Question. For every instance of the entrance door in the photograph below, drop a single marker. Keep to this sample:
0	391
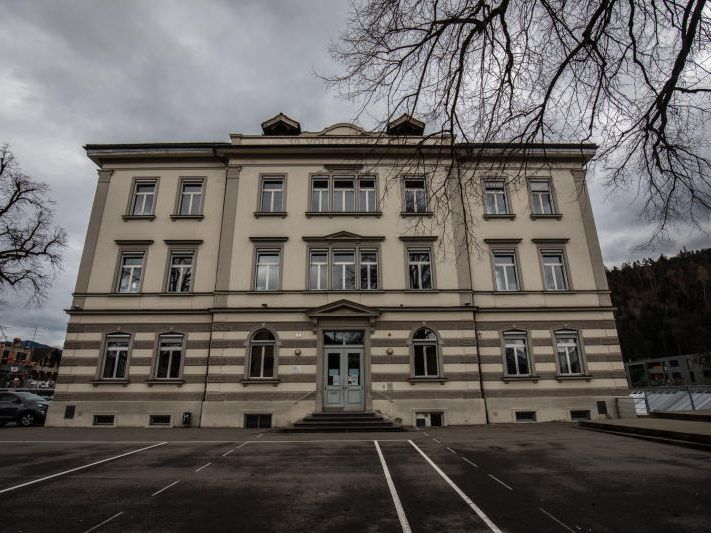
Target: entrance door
344	378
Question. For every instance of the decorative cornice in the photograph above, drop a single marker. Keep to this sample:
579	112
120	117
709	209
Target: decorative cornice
136	242
267	238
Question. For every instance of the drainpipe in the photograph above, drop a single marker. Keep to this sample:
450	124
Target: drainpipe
478	362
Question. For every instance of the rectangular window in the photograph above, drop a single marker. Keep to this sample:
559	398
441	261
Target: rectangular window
419	269
554	278
191	198
580	414
267	275
368	269
541	197
261	363
115	357
131	272
495	198
426	360
415	195
159	420
366	194
318	270
516	350
569	361
103	420
505	271
257	421
320	194
272	199
180	276
343	273
525	416
143	198
343	195
170	354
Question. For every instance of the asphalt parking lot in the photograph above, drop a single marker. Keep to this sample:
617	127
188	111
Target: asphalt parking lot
538	477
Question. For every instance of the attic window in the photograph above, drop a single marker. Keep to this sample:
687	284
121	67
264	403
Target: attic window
281	125
406	125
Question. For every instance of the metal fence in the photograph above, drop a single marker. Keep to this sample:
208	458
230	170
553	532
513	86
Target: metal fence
693	398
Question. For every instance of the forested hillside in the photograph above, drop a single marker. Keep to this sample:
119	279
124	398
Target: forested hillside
663	305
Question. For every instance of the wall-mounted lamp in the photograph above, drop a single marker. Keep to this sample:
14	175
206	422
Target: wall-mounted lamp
389	351
297	351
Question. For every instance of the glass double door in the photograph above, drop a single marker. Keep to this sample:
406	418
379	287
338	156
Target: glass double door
344	378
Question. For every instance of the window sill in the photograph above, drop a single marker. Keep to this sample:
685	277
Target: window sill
416	291
187	217
416	214
126	294
280	214
355	214
171	381
574	377
556	216
138	217
436	379
506	379
97	382
506	216
263	381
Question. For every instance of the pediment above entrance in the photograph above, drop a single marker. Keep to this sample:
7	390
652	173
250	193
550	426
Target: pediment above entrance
343	308
344	236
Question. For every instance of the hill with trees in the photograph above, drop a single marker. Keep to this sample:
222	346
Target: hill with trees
663	305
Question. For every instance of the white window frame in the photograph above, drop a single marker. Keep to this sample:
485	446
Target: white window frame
496	254
560	338
344	267
191	197
321	281
368	208
268	266
415	192
488	186
369	265
115	338
143	196
131	271
183	269
517	336
563	269
320	207
537	203
343	193
262	345
426	344
272	193
420	265
172	350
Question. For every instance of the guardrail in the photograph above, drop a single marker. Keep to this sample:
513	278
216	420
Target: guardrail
691	398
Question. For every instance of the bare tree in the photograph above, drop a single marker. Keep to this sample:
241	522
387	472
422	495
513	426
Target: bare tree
31	245
631	75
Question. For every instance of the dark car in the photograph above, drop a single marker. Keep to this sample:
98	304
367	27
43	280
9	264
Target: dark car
25	408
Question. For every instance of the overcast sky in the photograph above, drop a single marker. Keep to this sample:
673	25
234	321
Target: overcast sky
77	72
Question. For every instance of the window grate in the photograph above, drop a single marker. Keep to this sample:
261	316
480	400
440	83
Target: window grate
257	421
525	416
104	420
159	420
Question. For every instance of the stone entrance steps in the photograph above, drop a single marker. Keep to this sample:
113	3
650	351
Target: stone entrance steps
342	421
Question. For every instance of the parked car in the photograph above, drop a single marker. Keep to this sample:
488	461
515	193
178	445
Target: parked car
25	408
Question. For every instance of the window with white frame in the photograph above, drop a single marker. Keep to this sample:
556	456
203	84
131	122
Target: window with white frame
505	272
272	194
191	198
568	349
318	270
261	355
424	343
368	269
343	194
419	265
320	194
170	355
495	198
554	275
180	276
130	272
143	202
516	354
415	195
115	357
366	194
343	270
541	197
267	275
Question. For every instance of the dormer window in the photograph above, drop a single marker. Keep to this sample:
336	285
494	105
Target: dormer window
406	125
281	125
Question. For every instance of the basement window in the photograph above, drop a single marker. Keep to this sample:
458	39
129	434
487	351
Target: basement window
426	420
257	421
580	414
159	420
525	416
104	420
69	411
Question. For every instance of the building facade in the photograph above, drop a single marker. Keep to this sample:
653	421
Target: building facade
263	279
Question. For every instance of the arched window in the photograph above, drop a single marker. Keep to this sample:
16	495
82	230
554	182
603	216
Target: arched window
426	354
516	354
115	356
261	359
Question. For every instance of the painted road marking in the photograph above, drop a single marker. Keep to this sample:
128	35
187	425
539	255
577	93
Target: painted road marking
438	442
451	450
393	492
459	491
499	481
97	526
79	468
556	520
427	434
203	466
165	488
260	435
233	449
322	440
468	461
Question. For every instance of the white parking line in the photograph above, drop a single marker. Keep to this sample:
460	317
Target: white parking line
556	520
468	461
203	466
459	491
260	435
427	434
404	524
438	442
233	449
165	488
78	468
451	450
345	441
97	526
499	481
